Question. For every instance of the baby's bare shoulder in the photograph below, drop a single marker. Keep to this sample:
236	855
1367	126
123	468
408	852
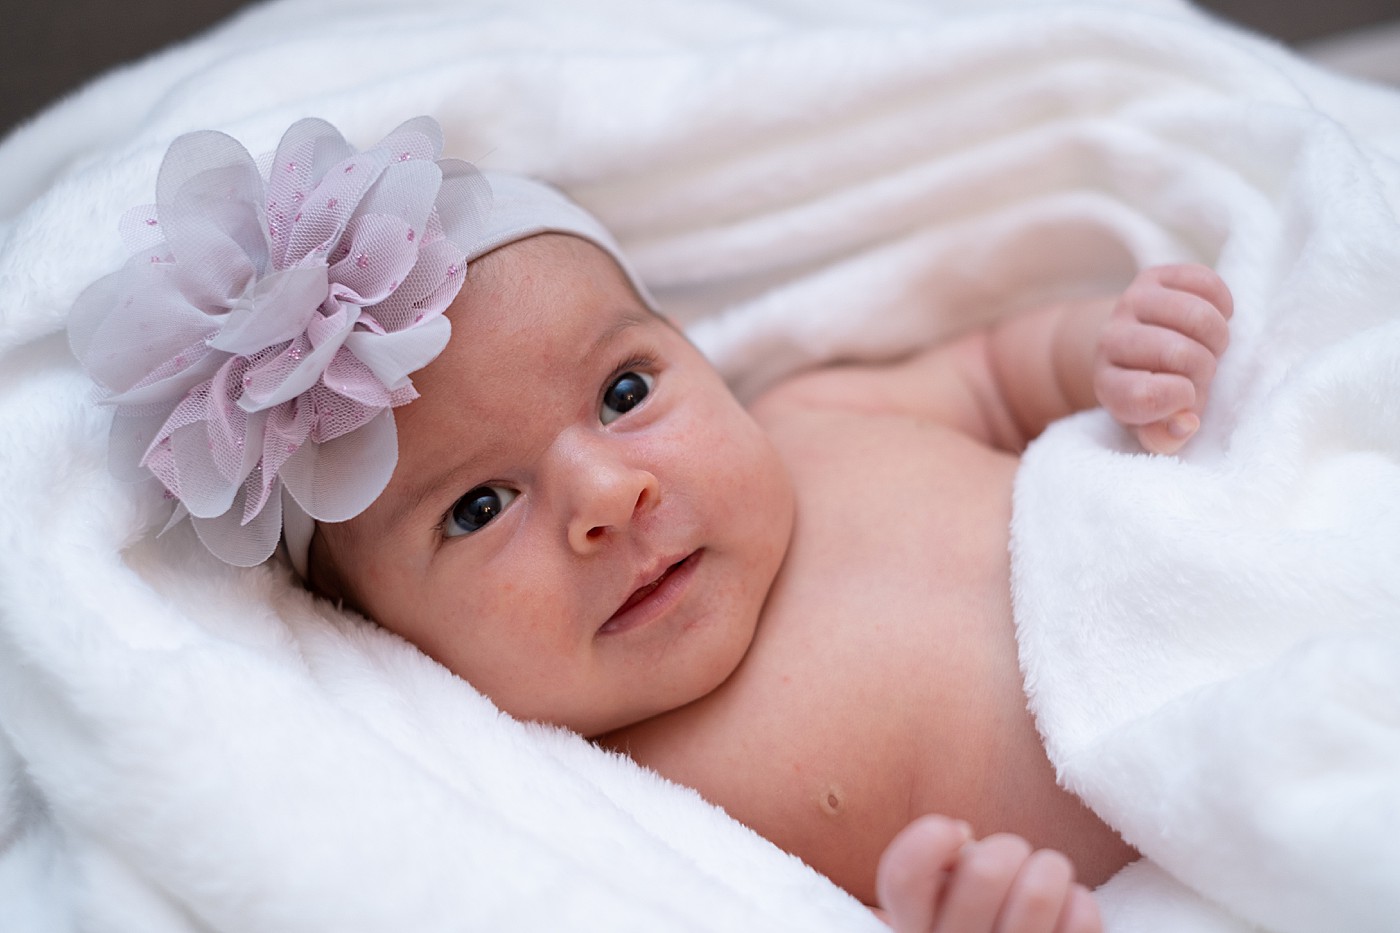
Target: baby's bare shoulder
940	384
832	387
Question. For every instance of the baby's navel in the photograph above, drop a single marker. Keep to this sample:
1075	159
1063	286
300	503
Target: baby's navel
832	801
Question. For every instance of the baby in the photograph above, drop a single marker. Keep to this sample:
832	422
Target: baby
800	608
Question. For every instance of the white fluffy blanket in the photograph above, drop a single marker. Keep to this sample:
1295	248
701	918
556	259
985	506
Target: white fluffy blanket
1209	641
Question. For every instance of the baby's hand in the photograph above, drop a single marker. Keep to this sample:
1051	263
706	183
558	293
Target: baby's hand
934	879
1158	350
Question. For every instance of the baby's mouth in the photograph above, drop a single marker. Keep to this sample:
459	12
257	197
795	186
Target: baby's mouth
645	592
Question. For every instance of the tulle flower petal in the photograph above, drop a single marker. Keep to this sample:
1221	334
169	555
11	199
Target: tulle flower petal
275	310
256	343
237	542
393	356
319	478
381	253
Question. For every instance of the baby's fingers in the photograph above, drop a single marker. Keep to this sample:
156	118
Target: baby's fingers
980	884
1045	899
1192	300
1160	350
1158	406
1136	397
914	869
1158	354
1164	427
1039	895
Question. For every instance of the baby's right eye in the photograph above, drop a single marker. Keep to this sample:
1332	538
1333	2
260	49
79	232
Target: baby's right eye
475	509
625	393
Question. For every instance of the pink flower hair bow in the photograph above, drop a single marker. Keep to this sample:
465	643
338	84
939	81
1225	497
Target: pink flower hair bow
256	344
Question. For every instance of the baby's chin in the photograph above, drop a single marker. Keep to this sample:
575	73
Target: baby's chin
702	685
598	728
596	720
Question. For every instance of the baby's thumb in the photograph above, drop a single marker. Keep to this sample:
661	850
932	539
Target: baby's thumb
1170	434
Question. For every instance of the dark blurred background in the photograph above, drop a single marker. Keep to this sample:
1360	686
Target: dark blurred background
50	47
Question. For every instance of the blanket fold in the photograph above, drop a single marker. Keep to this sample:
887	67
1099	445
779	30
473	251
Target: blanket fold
1209	641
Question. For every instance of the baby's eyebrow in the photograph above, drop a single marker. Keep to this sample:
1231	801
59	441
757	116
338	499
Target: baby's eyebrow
417	494
625	321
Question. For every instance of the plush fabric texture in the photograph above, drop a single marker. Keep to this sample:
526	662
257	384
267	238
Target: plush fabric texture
1209	640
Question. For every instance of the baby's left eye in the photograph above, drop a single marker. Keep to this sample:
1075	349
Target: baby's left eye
476	508
625	393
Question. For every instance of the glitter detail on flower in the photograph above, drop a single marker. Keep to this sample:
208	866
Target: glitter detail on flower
256	343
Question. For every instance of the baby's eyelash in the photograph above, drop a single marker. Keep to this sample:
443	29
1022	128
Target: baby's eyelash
642	361
440	526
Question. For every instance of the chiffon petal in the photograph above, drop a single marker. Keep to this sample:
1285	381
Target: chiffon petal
338	479
254	346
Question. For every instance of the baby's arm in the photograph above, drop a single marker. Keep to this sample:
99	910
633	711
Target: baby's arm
934	879
1147	355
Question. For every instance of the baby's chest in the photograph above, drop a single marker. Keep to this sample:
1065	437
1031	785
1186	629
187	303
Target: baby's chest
893	601
899	523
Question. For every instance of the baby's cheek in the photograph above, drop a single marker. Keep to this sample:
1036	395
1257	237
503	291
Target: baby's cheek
754	464
751	489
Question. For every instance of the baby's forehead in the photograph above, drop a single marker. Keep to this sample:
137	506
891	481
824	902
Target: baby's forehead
548	309
524	211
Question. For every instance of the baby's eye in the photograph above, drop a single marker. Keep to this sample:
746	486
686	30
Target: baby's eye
624	394
476	508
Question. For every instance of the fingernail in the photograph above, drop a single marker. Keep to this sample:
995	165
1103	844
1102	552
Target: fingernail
964	829
1182	425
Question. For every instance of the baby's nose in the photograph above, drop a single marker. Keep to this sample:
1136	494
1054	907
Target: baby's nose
608	496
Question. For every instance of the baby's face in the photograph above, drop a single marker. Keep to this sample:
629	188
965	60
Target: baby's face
583	522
